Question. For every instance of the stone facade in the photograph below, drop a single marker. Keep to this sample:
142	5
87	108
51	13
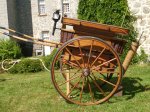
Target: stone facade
3	14
45	22
23	16
141	10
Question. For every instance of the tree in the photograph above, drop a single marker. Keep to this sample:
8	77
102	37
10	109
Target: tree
112	12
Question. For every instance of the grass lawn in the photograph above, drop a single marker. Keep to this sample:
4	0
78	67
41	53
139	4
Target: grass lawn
35	93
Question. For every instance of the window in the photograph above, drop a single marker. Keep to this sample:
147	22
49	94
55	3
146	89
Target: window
65	1
39	52
45	35
66	6
41	4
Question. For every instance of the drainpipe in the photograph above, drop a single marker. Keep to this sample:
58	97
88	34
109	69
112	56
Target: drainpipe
62	8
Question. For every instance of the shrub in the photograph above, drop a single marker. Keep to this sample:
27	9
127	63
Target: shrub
31	65
9	49
143	56
27	66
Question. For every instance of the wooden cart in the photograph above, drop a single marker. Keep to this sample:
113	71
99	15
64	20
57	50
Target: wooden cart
90	68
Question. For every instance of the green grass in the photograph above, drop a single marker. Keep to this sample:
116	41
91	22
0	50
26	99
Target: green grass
35	93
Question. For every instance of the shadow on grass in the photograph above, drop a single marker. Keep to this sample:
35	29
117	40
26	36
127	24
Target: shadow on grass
132	86
4	79
1	80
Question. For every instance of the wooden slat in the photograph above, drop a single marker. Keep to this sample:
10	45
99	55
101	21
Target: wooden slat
109	28
106	37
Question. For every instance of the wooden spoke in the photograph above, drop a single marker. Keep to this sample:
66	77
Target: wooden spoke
90	89
81	53
98	57
82	89
69	72
69	80
74	86
105	71
104	81
70	63
107	82
110	68
73	57
77	71
90	53
104	63
98	86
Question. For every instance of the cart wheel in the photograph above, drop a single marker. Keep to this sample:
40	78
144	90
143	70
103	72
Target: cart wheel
86	64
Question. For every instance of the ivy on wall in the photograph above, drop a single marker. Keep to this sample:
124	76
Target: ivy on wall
112	12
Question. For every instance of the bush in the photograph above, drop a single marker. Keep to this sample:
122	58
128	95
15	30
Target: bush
141	57
32	65
27	66
9	49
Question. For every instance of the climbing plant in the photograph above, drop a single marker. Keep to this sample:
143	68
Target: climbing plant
112	12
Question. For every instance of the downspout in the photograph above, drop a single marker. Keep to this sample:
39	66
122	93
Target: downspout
62	8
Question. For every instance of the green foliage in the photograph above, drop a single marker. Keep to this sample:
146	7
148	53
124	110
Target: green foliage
142	57
9	49
30	65
111	12
35	93
48	59
27	66
135	60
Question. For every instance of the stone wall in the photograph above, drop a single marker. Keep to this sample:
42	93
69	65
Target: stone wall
3	15
141	10
73	8
44	22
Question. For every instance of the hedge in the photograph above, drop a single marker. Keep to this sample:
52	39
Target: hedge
29	65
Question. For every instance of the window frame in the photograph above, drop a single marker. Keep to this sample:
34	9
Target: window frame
41	3
43	35
65	2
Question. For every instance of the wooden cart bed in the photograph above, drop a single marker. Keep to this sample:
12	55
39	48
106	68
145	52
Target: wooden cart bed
86	28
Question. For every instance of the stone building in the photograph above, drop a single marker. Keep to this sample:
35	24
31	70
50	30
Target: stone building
141	10
34	17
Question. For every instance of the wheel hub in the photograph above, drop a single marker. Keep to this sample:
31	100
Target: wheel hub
86	72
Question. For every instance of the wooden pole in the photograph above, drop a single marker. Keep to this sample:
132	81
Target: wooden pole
130	55
68	83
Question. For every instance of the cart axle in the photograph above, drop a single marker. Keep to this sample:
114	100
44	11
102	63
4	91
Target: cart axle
86	72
